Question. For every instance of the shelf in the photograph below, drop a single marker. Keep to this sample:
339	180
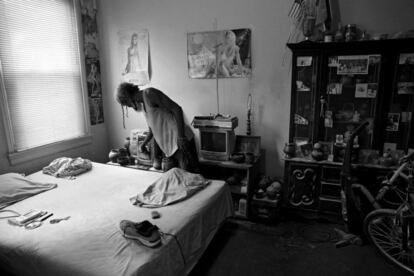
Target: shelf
238	189
226	164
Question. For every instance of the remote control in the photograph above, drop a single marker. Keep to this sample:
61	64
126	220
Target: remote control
23	219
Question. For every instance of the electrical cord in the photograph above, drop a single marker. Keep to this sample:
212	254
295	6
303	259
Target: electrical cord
15	214
178	243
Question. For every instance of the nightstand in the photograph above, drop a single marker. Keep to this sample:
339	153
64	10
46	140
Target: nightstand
241	178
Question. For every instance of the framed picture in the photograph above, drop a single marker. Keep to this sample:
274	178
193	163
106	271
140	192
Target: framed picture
393	122
230	48
361	90
405	87
406	59
353	65
304	61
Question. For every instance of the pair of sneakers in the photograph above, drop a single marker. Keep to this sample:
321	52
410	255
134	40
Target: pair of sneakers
145	232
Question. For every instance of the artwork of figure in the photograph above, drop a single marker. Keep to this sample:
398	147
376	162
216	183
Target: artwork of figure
229	55
133	63
222	54
134	56
94	80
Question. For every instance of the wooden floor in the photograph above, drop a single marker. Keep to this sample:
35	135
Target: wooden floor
288	248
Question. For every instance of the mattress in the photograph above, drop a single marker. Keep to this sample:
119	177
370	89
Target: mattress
90	241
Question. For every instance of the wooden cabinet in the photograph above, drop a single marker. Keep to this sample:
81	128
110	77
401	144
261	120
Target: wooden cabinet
313	187
303	185
335	87
241	178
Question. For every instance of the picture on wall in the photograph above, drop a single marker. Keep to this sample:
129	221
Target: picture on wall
91	50
133	51
222	54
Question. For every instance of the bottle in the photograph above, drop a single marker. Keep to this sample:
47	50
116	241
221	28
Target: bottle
339	36
350	32
243	206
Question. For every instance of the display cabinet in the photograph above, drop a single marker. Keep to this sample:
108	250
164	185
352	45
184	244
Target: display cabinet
335	87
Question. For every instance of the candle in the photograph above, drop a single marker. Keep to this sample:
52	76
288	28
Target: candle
249	102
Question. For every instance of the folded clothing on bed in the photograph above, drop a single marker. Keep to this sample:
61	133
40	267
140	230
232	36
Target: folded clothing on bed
67	167
15	187
173	186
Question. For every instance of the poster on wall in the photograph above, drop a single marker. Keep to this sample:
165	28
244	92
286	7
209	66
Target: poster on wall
133	51
222	54
92	66
96	110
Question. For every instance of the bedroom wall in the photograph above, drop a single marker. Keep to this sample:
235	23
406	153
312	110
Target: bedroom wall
168	22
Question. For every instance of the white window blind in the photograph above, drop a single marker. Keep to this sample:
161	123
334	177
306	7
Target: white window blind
41	72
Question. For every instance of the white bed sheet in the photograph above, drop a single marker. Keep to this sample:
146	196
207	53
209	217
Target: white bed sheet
90	242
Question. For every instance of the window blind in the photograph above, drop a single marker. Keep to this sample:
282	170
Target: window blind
42	76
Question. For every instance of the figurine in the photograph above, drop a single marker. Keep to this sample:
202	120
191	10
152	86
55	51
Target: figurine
356	116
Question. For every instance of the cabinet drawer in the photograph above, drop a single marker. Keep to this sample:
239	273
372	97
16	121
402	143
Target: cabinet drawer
331	174
330	189
330	205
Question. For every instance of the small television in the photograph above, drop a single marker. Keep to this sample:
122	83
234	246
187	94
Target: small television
216	143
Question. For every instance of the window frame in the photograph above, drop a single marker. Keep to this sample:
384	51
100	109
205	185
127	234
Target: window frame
17	157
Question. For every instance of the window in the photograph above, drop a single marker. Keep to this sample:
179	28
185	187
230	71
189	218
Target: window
41	77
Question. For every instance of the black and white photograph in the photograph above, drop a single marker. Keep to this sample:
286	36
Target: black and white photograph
304	61
405	88
393	121
206	138
361	90
406	58
353	65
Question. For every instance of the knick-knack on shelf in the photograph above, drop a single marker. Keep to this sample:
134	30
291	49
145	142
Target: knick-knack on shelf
249	112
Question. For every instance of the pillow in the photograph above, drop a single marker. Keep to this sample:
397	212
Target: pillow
15	187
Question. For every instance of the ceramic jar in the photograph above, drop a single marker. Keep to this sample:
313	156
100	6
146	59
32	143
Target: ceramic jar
289	150
350	32
113	155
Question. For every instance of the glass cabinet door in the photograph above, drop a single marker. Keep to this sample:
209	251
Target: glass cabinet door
304	88
351	98
398	131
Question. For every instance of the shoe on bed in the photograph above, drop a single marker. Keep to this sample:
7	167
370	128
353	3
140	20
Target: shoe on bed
144	232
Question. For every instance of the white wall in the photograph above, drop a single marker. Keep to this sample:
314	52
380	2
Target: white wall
168	22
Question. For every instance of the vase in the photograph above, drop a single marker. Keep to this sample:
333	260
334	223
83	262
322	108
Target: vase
308	25
113	155
289	150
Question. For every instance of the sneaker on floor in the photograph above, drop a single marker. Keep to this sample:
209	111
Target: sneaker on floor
148	236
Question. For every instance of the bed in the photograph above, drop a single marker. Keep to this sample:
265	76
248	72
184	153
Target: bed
91	243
